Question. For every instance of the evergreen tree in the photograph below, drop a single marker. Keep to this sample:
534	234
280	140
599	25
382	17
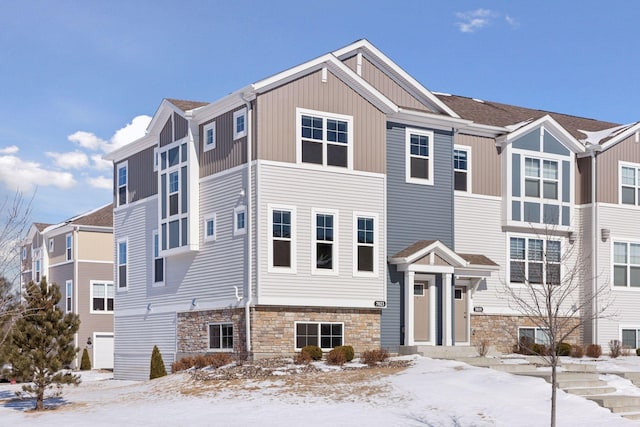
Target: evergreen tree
157	364
85	363
41	343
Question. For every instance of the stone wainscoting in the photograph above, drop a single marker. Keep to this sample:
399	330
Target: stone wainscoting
501	331
193	330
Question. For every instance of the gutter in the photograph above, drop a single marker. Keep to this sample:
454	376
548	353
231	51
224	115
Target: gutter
249	225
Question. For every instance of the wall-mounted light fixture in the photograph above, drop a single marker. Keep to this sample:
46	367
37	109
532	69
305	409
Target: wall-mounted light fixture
605	233
149	307
89	342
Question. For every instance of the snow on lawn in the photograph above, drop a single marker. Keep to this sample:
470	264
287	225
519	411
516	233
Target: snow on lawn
430	392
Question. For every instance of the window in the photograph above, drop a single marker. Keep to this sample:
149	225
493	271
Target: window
324	247
210	227
122	184
69	296
534	335
532	260
461	169
221	336
37	270
239	220
630	185
324	335
51	245
534	180
418	290
324	139
626	264
24	253
239	124
630	337
158	261
69	245
122	264
156	159
102	297
365	244
209	139
281	249
173	196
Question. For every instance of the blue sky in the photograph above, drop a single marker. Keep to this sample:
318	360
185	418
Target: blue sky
79	78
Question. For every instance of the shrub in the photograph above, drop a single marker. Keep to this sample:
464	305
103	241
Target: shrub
577	351
564	349
157	364
372	357
85	362
524	346
483	348
302	358
348	351
539	350
217	360
637	351
615	348
200	361
336	356
314	351
594	350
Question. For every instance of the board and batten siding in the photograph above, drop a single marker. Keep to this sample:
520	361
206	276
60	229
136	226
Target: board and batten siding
305	190
414	212
276	121
607	164
228	153
583	180
486	165
385	84
142	180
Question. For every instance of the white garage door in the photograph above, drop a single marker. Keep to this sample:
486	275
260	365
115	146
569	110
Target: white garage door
103	351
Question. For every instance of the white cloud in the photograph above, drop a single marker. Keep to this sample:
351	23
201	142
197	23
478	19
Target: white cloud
12	149
87	140
132	131
24	175
71	160
511	21
100	182
99	163
474	20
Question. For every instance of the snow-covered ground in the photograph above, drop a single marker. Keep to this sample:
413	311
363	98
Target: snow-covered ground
429	393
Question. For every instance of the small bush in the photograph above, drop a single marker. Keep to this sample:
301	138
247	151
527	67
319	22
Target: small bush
85	362
593	350
564	349
314	351
217	360
637	351
524	346
157	364
372	357
336	356
615	348
483	348
540	350
302	358
200	361
348	351
577	351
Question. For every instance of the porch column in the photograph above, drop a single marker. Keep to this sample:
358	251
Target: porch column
432	311
409	278
447	312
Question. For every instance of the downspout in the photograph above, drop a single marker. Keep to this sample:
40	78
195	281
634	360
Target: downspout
249	300
74	253
594	258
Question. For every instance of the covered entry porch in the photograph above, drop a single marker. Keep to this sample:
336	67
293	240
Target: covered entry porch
438	288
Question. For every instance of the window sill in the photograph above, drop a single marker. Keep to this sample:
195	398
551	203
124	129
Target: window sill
419	181
100	312
282	270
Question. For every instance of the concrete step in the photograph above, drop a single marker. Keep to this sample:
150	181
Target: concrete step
520	368
589	391
630	415
618	403
564	384
483	362
580	367
441	352
631	376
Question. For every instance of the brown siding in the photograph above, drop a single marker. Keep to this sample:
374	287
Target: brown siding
143	180
277	119
166	134
228	153
95	246
485	164
90	323
59	275
607	164
583	181
59	253
181	126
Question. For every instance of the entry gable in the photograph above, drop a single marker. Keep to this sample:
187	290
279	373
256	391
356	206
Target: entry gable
427	252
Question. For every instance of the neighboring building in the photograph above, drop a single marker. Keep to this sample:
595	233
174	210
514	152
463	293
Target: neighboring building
341	202
77	255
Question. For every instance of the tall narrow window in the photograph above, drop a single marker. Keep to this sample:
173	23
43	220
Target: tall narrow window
122	264
37	270
209	140
460	169
419	156
281	238
69	296
240	220
122	184
69	247
158	261
365	244
51	245
324	242
173	192
630	185
239	124
210	227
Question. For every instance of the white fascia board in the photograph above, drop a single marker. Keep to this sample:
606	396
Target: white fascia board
431	120
438	248
382	61
228	103
484	130
549	123
621	136
131	148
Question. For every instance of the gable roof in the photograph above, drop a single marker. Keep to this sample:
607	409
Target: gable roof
185	105
99	217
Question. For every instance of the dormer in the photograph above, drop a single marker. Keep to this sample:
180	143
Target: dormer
538	186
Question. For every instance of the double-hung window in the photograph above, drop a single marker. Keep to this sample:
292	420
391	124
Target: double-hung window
68	247
174	195
365	244
324	335
221	336
626	264
461	169
158	261
534	261
281	250
37	270
419	156
209	138
325	139
324	246
102	297
122	264
69	296
630	185
123	178
541	178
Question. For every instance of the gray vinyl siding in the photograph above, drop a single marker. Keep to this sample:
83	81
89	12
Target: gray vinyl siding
181	127
414	212
142	180
166	134
228	153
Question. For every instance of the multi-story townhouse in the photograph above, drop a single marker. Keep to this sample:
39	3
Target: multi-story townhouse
341	202
77	255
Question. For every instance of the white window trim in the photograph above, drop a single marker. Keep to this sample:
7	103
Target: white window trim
376	244
636	166
153	259
51	244
239	231
156	160
629	327
68	300
324	115
469	180
527	237
105	282
211	126
122	165
628	242
535	332
236	114
124	240
24	253
295	335
219	350
212	217
407	161
68	249
336	244
294	227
